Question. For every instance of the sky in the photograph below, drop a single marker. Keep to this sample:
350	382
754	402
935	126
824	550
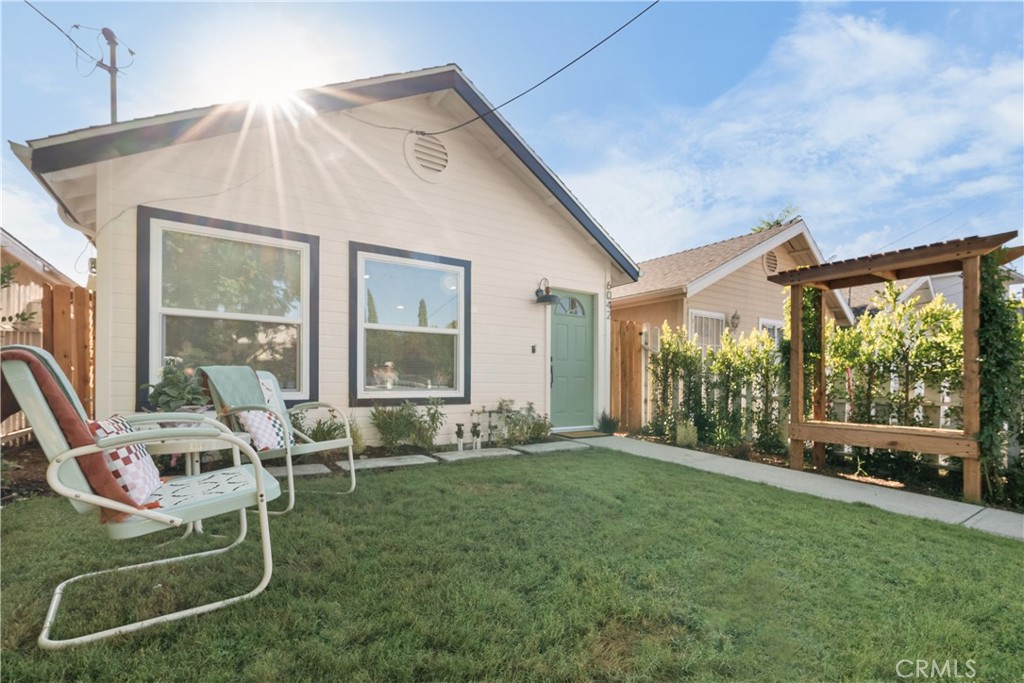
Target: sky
884	124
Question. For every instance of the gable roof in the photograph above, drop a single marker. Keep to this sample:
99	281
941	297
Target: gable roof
694	269
690	271
56	161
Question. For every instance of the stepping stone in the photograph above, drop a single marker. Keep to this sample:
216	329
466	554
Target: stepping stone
309	470
456	456
383	463
552	446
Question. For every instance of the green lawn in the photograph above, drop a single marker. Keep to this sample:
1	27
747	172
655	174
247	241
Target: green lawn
595	567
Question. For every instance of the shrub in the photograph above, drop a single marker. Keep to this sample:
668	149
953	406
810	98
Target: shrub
686	434
394	424
6	280
404	424
358	443
428	424
521	426
607	424
678	379
328	429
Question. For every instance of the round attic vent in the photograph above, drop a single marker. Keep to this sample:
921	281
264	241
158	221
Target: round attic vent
427	157
771	262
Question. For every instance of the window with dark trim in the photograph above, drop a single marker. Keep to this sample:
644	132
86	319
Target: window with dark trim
409	328
213	292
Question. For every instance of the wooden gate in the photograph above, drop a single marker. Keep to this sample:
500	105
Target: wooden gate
69	334
627	374
63	325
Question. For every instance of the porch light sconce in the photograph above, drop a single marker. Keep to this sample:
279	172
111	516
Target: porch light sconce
543	293
734	321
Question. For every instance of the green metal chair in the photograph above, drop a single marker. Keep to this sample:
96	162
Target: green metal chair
238	391
180	500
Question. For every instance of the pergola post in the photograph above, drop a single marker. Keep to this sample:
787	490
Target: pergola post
818	409
796	374
972	373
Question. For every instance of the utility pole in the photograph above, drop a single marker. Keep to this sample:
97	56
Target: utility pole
112	70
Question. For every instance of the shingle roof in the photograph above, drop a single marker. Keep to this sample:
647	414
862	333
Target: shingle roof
675	271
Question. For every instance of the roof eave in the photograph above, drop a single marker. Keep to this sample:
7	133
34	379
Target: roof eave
64	213
93	145
643	298
737	262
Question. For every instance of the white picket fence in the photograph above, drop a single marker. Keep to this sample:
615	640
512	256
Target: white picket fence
19	298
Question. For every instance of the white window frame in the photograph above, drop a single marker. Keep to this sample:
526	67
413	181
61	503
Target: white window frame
769	324
158	311
366	253
698	313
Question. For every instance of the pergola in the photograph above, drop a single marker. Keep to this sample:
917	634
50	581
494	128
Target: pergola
962	255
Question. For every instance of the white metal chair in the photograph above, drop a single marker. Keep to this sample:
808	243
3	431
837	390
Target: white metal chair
237	390
179	500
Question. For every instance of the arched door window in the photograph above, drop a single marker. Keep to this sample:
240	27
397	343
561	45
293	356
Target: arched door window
570	305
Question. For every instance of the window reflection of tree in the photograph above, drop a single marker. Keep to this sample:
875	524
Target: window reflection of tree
208	274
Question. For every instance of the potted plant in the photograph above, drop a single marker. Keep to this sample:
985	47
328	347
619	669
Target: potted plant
178	390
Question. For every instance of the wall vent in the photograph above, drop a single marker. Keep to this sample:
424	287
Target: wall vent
771	262
427	157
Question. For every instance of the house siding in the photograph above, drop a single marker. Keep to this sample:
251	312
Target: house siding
747	292
651	315
344	181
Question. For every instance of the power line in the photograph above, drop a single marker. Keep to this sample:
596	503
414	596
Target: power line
525	92
99	35
928	225
534	87
77	46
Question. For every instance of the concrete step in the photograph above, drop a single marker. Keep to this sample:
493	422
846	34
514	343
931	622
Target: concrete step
552	446
384	463
458	456
309	470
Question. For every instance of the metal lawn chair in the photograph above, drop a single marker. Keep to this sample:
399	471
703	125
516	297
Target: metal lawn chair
252	402
35	381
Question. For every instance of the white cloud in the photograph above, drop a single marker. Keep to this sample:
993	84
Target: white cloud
856	123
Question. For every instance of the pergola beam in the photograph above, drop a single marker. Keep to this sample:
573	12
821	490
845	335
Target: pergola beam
943	257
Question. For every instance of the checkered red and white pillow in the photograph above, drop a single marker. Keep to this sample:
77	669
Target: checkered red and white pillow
265	429
132	466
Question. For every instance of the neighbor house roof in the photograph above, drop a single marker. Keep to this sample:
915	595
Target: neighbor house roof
925	288
690	271
62	162
15	251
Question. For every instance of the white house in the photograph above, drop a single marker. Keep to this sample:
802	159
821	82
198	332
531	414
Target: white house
369	242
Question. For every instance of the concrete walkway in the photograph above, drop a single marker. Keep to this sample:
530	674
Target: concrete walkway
999	522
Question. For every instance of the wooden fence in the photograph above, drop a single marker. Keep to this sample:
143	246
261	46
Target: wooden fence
63	324
628	373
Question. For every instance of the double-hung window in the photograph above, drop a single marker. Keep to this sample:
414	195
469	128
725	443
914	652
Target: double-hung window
223	293
409	326
708	327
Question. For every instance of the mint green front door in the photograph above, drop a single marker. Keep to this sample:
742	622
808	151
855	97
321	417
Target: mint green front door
572	361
